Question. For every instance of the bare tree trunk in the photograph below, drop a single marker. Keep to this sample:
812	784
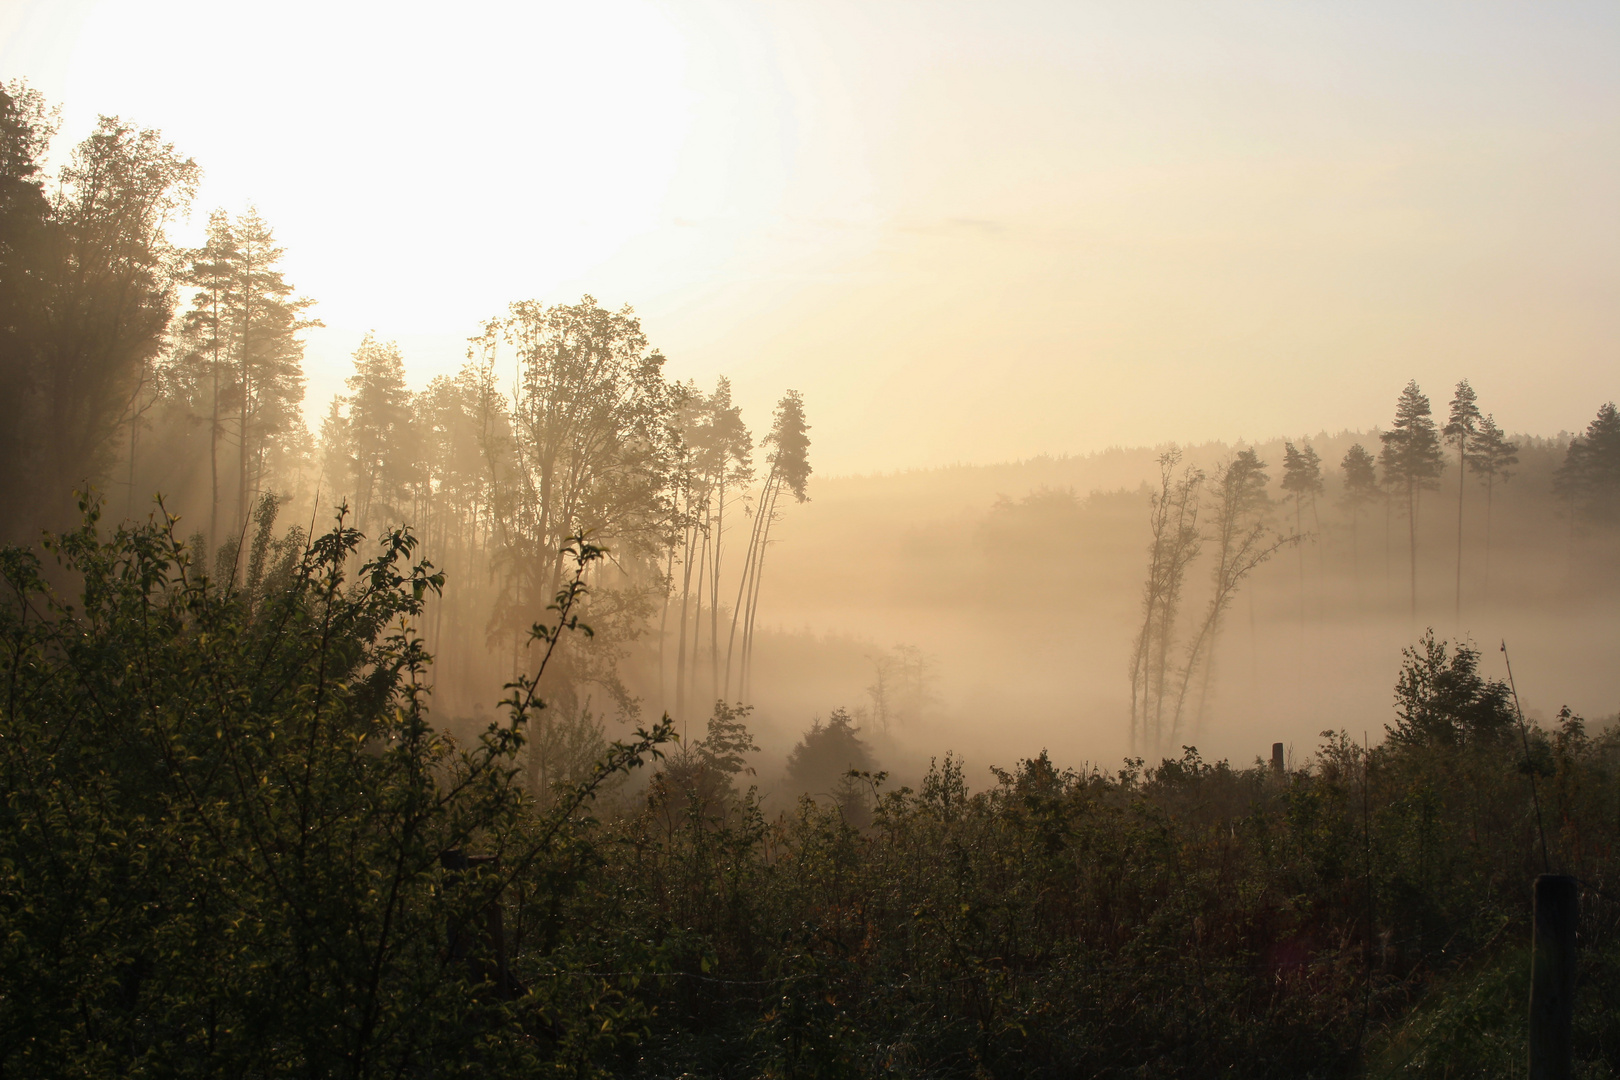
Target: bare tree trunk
213	446
690	537
714	592
749	559
697	614
1486	588
750	627
1462	476
1411	533
663	626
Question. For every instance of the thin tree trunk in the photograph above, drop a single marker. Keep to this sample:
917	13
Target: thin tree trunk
714	592
697	613
1299	527
1411	532
1486	586
690	537
1462	475
750	628
663	624
213	443
747	575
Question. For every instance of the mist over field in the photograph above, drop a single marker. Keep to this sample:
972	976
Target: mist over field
672	538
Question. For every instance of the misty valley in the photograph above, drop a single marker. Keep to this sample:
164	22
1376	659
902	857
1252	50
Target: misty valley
558	716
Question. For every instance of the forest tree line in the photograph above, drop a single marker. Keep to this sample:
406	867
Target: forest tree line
146	366
1231	513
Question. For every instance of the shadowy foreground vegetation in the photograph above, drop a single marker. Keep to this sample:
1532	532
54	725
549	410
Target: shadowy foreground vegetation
231	843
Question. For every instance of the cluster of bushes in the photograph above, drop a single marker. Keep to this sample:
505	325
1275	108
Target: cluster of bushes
231	843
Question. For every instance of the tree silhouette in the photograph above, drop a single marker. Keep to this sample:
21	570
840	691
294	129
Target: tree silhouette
789	460
1462	428
266	320
87	295
1302	479
1173	521
1590	474
1239	506
1411	462
380	451
200	372
1490	456
1360	489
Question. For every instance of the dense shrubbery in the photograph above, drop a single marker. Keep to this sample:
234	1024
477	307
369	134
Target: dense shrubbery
231	844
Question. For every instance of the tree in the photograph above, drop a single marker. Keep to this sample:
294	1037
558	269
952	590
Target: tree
789	460
267	320
715	457
1239	507
1442	700
200	372
826	754
902	686
1173	520
732	452
1590	474
234	844
1360	489
1490	456
1461	430
1411	462
379	436
27	125
89	290
590	452
1302	479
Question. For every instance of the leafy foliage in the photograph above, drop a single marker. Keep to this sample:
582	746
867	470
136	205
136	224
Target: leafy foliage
232	842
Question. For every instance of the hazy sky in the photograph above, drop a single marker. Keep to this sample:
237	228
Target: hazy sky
967	232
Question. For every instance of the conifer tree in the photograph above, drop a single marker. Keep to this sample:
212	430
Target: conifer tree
1490	456
1590	474
1411	462
267	320
789	461
1302	479
202	362
1462	427
379	434
1360	489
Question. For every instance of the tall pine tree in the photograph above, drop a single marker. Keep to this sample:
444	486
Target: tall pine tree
1411	462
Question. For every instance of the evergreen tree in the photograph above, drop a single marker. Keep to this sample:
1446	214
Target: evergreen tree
200	372
1462	428
1302	479
789	460
1490	456
1411	462
1590	474
379	434
1360	490
266	320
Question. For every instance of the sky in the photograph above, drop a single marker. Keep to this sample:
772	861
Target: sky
966	232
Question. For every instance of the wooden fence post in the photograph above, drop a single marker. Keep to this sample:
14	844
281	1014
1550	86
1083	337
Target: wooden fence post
1552	978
